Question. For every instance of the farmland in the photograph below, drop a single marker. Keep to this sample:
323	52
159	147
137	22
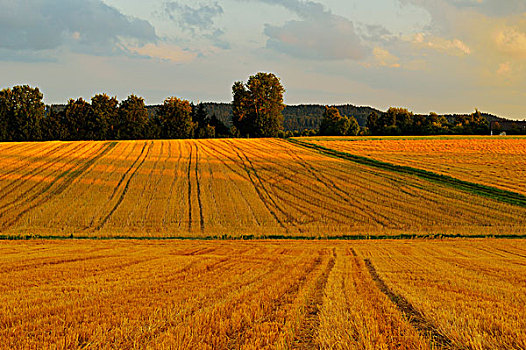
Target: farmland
266	294
216	188
494	161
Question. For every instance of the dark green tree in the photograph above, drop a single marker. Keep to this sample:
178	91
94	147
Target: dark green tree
220	129
334	124
21	113
132	119
201	121
76	119
53	127
257	106
104	116
372	122
176	119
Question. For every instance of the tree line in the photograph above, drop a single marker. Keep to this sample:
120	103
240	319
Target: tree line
256	111
24	117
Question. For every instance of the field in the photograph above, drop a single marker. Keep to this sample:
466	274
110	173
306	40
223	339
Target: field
233	188
459	294
494	161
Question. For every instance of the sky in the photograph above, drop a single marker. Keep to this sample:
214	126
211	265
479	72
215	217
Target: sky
445	56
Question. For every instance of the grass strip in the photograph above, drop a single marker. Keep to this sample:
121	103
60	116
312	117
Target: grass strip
407	236
498	194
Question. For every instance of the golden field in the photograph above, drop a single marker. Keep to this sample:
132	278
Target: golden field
495	161
453	294
215	188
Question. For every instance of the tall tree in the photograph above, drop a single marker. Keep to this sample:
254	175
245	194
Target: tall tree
22	112
372	122
132	119
104	115
257	106
176	118
201	120
220	129
76	119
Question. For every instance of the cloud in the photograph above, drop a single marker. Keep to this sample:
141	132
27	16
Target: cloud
492	8
385	59
82	26
199	21
164	52
318	34
452	47
512	42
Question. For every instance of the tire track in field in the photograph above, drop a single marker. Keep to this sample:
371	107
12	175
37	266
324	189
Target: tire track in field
305	337
121	180
281	301
156	186
412	315
306	197
126	186
17	162
69	175
416	208
174	180
259	192
26	196
214	151
109	169
189	177
299	208
21	181
337	190
198	188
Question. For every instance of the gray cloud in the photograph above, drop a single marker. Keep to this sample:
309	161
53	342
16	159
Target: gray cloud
199	21
319	34
85	26
194	19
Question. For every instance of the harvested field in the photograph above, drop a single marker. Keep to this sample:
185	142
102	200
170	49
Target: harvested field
494	161
216	188
263	294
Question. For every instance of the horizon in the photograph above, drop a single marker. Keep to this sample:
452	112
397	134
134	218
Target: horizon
443	56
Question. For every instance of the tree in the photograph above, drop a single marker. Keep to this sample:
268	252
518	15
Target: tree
103	118
372	122
132	119
21	113
220	128
176	118
201	121
257	106
334	124
76	119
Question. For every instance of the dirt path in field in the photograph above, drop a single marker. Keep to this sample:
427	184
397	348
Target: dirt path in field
306	334
417	320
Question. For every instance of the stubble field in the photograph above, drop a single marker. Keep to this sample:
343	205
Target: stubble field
495	161
215	188
452	294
